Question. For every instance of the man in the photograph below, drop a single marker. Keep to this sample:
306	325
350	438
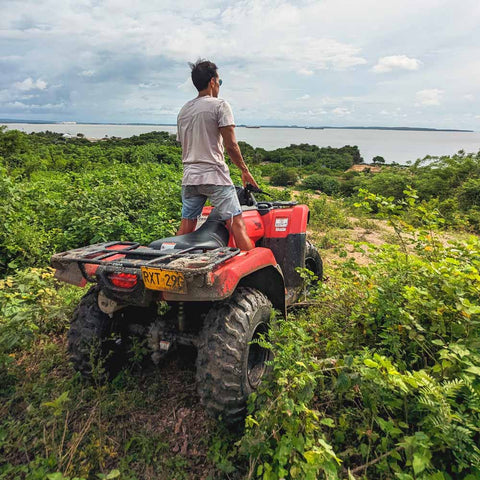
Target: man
202	124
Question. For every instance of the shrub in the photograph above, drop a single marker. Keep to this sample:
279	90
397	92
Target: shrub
324	183
382	373
387	183
469	194
53	211
326	212
284	177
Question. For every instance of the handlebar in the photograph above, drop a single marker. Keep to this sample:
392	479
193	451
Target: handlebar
250	188
246	197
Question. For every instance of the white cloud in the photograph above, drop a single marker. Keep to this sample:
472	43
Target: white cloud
87	73
304	97
306	72
46	106
469	97
187	85
429	97
341	111
10	58
30	84
396	62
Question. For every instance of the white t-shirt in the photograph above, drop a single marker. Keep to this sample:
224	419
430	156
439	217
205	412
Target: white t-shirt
202	146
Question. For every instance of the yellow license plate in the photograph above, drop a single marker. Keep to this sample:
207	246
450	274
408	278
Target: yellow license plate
155	279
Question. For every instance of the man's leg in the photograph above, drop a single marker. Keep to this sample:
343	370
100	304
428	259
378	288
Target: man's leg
225	200
187	225
192	204
242	240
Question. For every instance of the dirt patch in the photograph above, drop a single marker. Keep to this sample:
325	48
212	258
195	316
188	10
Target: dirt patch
174	413
158	404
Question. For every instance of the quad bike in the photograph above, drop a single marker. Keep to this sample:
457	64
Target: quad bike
196	289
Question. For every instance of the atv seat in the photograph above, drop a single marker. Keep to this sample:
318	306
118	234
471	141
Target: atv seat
212	234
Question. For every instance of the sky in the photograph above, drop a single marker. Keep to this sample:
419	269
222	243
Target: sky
306	62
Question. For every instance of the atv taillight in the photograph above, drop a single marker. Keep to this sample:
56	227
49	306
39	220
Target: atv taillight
123	280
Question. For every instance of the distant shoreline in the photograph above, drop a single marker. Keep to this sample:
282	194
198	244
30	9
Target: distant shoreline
309	127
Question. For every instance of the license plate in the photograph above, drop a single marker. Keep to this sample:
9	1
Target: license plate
155	279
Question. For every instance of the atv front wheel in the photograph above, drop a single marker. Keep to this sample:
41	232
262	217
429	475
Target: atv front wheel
94	341
229	366
313	260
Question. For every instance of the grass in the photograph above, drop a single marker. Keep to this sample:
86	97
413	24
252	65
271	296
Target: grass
146	424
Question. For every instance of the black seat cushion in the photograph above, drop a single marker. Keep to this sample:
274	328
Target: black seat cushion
212	234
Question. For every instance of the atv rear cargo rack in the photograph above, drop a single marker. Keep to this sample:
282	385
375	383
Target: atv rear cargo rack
131	255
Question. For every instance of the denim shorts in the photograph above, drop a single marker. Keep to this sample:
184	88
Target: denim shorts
222	197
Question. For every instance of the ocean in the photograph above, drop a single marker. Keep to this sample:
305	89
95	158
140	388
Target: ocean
401	146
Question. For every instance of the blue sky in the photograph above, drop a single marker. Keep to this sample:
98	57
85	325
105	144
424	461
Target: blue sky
304	62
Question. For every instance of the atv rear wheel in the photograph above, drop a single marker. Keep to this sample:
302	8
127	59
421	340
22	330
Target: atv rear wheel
94	340
313	260
229	366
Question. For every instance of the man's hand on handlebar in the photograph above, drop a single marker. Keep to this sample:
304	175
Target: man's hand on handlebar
251	188
247	178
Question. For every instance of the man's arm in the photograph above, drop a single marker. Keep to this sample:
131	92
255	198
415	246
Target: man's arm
233	150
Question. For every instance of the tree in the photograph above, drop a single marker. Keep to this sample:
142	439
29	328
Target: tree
378	160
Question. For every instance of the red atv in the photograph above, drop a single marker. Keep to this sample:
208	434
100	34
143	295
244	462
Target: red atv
196	289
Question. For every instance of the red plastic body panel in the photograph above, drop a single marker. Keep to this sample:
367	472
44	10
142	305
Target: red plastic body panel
277	223
280	222
223	280
253	222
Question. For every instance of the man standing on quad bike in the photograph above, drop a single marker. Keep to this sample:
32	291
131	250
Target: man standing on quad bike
201	125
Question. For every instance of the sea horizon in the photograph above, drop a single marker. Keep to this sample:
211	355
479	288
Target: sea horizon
253	125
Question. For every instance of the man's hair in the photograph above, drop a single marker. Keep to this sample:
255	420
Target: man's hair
202	72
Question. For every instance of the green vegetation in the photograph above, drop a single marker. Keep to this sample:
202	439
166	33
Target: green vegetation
449	184
59	194
380	377
376	374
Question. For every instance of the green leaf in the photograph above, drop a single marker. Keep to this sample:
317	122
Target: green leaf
328	422
310	456
55	476
419	463
113	474
474	369
370	363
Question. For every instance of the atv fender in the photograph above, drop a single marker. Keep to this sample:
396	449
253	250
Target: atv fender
256	268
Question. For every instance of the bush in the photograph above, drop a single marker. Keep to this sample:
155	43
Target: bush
284	177
324	183
326	212
382	374
469	194
55	211
387	183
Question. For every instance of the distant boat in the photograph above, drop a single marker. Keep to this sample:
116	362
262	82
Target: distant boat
68	123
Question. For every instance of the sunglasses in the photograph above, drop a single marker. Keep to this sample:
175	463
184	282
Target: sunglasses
219	81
